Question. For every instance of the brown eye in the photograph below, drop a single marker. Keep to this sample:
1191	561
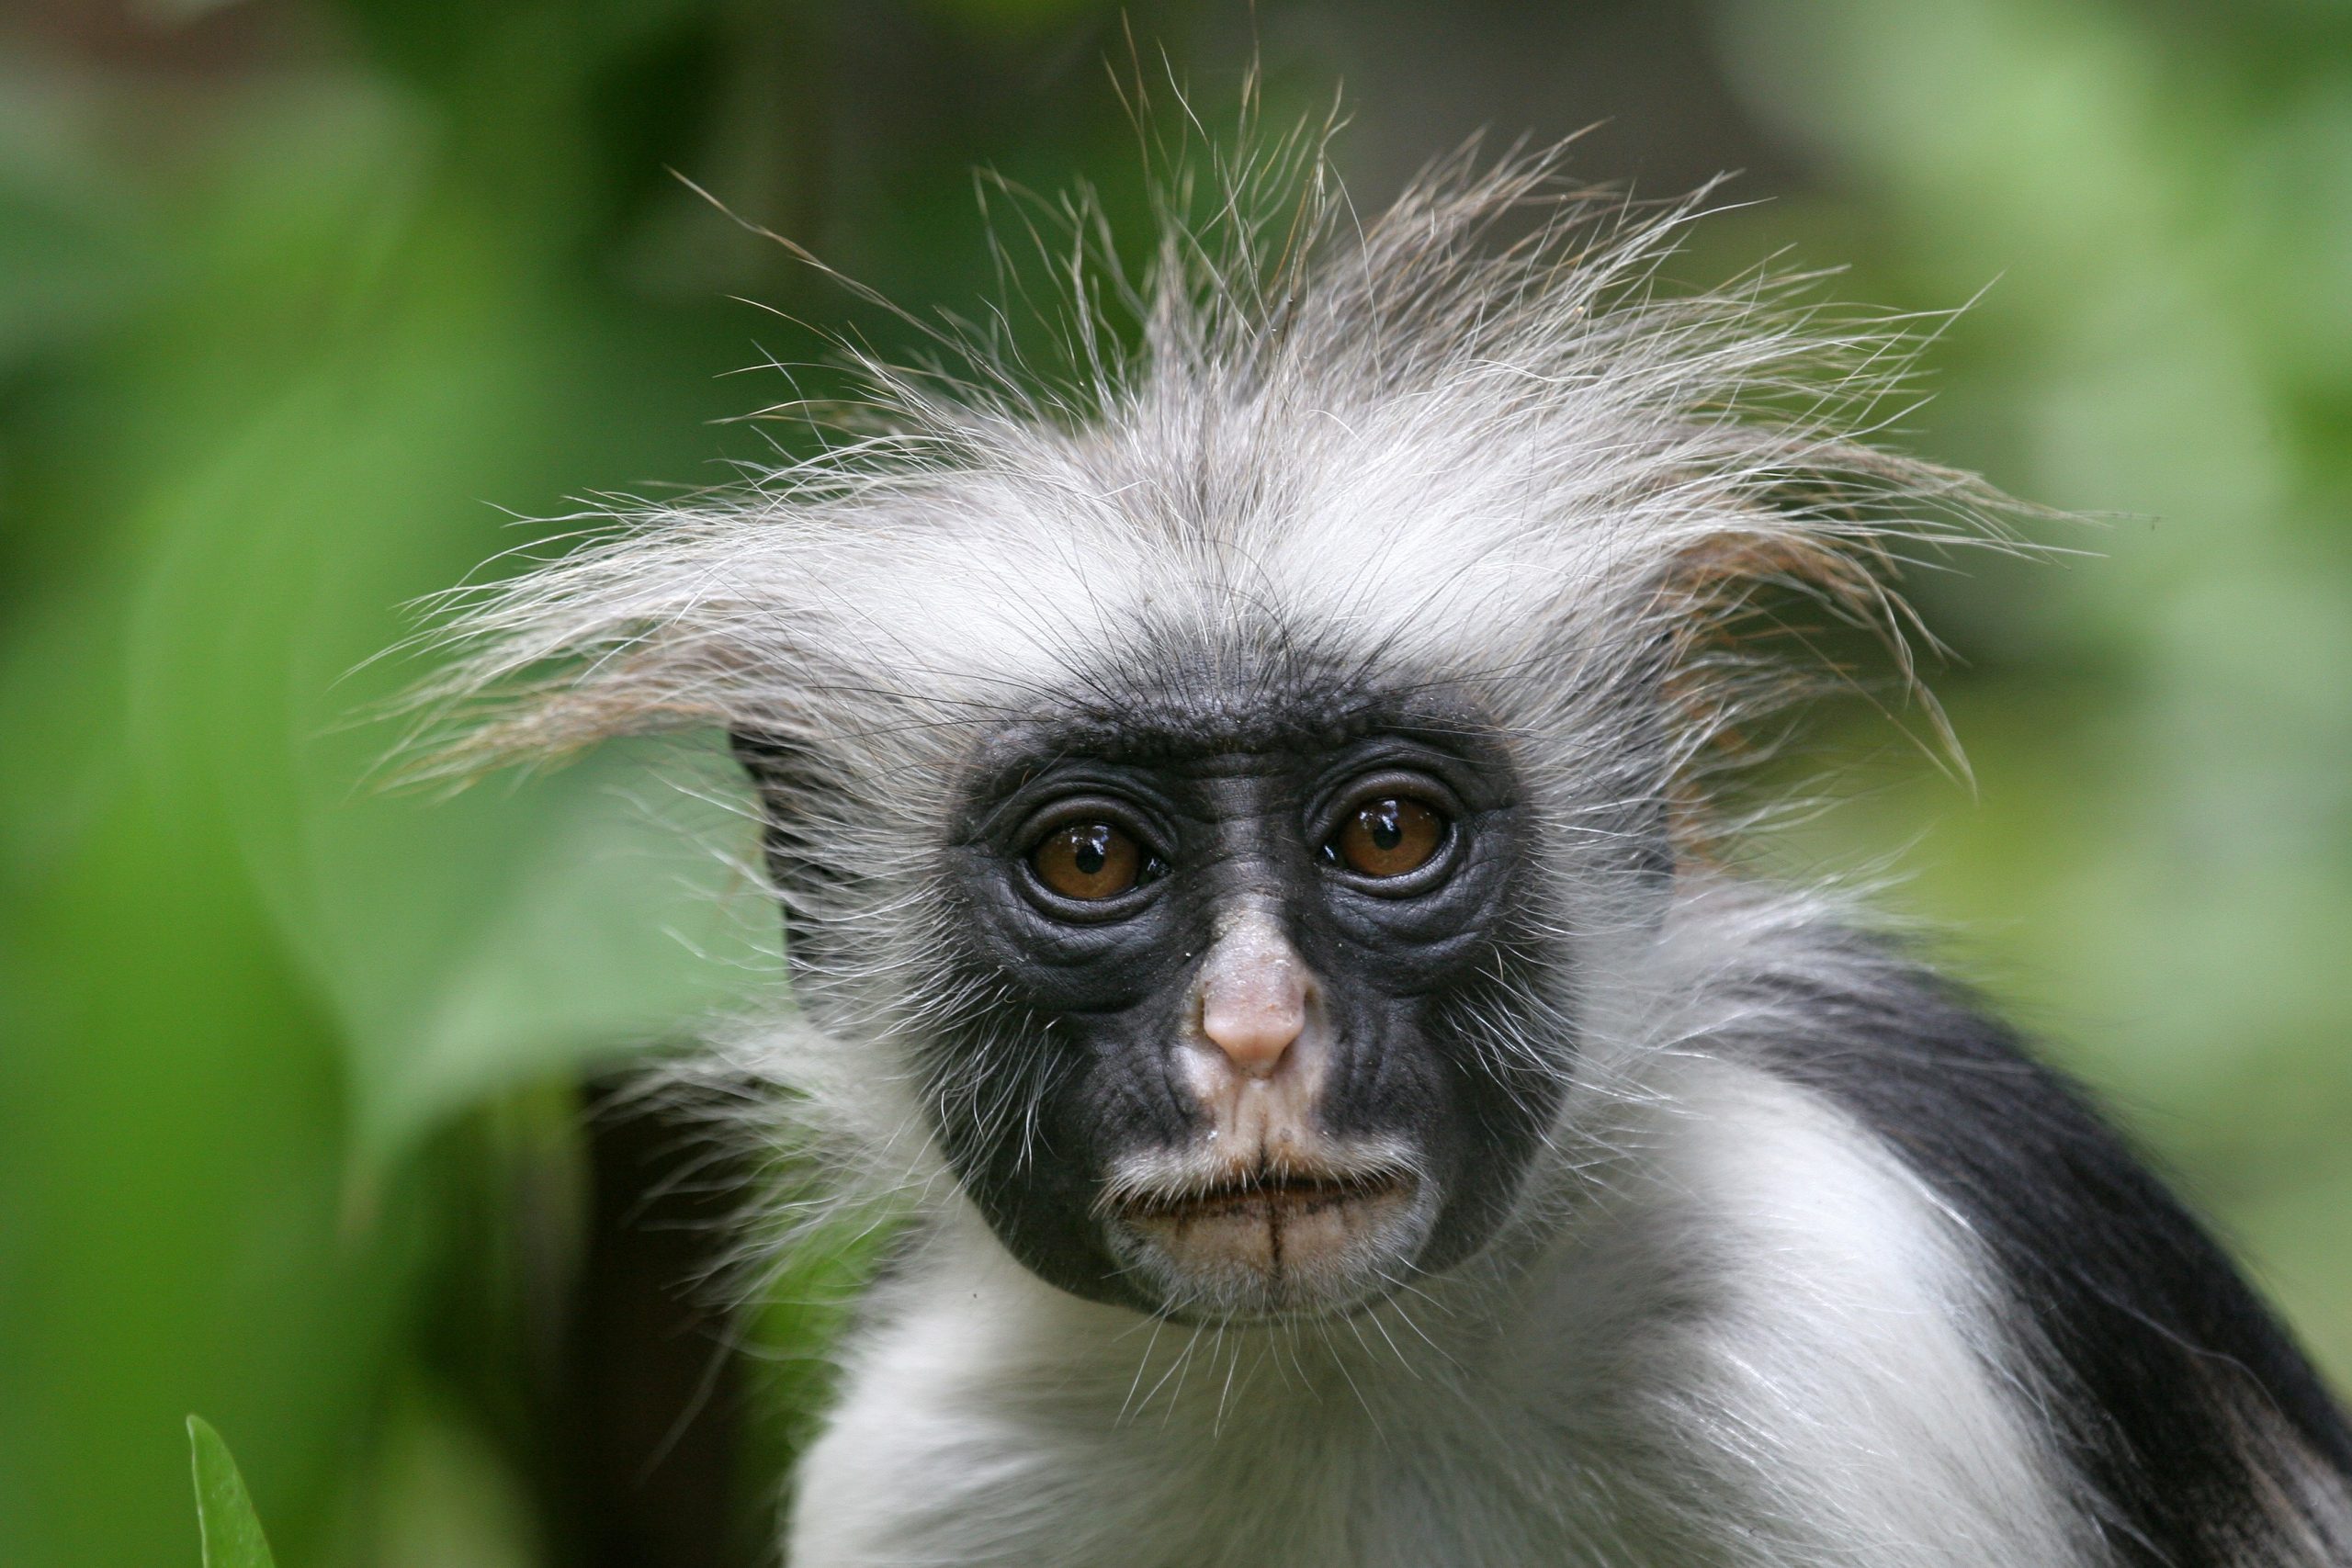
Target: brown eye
1389	836
1088	861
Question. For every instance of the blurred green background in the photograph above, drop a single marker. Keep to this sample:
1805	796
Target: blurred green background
302	302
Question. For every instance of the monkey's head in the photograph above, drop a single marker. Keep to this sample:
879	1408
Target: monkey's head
1232	967
1199	816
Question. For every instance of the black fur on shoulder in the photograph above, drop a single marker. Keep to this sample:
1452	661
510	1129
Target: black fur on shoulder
2190	1412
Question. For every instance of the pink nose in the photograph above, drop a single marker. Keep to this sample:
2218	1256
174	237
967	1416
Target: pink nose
1253	998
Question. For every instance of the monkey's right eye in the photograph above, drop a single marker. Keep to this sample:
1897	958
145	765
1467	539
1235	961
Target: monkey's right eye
1090	861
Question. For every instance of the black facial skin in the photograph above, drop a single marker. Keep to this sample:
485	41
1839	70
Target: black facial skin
1071	1066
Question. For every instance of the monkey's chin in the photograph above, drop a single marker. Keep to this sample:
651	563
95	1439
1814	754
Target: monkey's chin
1274	1245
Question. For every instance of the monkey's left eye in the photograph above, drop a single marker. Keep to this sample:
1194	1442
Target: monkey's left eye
1091	861
1388	837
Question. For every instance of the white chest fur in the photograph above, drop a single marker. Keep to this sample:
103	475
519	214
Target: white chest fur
1746	1336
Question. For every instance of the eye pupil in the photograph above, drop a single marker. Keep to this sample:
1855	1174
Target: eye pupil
1092	852
1385	832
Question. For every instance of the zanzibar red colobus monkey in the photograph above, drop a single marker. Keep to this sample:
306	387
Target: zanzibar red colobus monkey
1247	819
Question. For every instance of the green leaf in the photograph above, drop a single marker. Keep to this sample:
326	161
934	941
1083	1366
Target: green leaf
232	1537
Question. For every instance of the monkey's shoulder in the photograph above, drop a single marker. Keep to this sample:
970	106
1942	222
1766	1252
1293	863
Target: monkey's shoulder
2184	1401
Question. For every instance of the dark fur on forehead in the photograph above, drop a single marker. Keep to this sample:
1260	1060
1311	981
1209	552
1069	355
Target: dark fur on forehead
1173	699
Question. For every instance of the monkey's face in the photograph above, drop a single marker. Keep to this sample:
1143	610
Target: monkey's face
1261	1012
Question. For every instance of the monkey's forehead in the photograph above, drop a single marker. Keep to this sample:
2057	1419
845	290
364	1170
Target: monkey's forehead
1166	670
1226	602
1187	710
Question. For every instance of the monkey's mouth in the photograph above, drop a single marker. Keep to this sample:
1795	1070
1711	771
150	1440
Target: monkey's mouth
1271	1241
1270	1197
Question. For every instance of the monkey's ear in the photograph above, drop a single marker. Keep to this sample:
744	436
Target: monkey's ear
1791	594
786	775
766	757
1733	559
1831	523
782	770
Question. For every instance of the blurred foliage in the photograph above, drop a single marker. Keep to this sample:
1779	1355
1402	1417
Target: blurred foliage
302	302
